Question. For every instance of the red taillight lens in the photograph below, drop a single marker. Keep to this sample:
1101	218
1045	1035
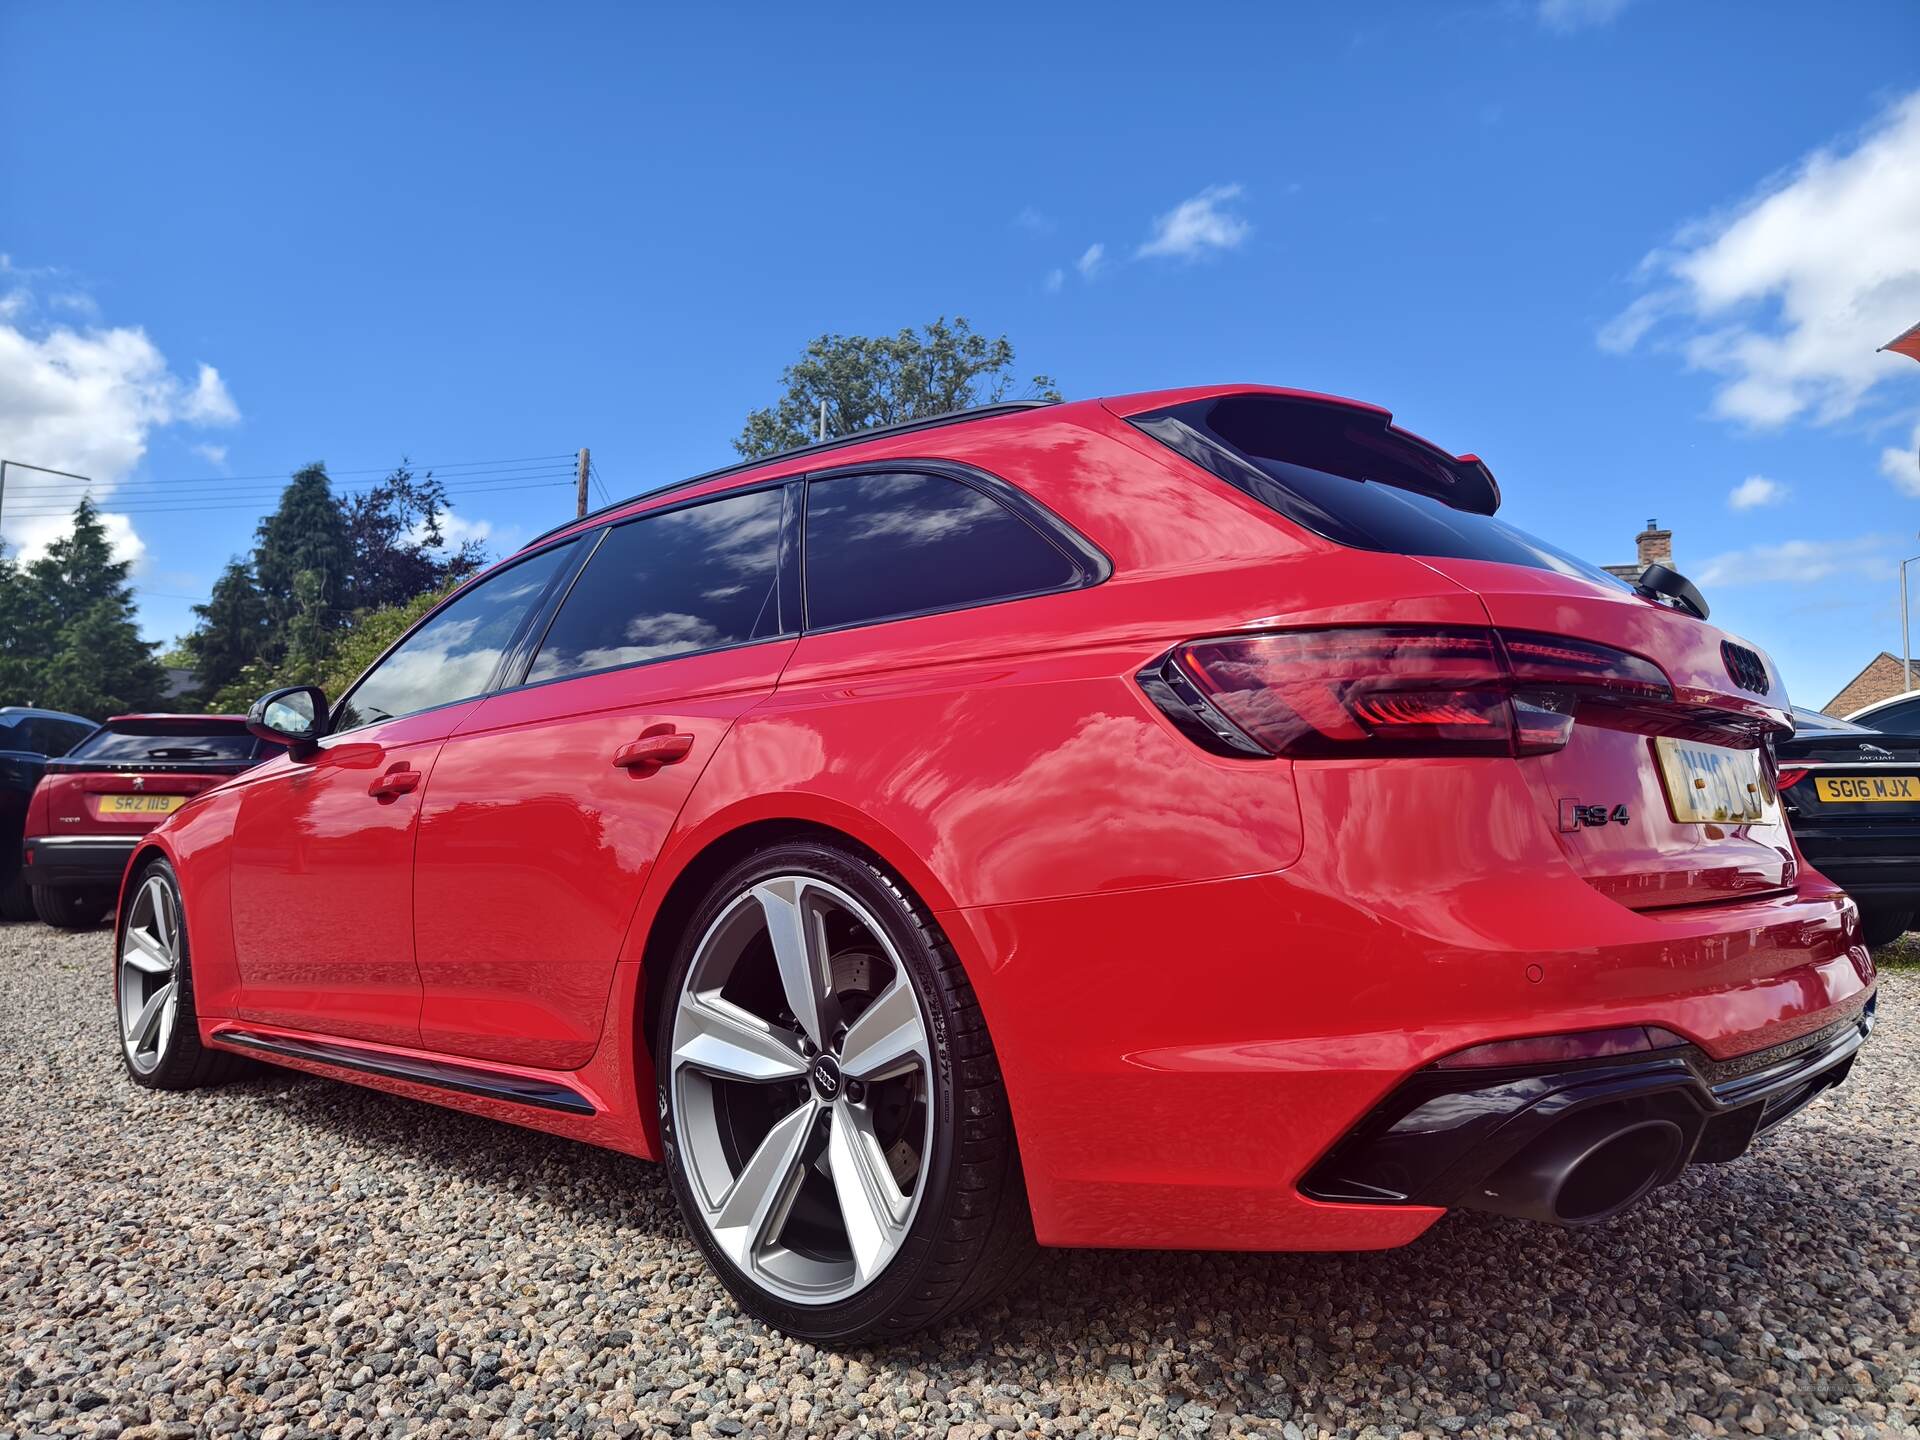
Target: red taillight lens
1560	660
1789	778
1548	1049
1391	690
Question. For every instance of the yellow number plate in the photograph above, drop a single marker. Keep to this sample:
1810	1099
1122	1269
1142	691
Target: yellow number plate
1713	783
140	804
1868	789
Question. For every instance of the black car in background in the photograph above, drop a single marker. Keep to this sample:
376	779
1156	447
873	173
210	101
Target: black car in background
1853	798
28	738
1898	714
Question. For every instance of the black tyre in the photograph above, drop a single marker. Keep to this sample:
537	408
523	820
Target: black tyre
72	907
832	1114
1883	927
153	990
15	902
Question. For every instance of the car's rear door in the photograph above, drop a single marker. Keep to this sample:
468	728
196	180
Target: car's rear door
550	802
322	870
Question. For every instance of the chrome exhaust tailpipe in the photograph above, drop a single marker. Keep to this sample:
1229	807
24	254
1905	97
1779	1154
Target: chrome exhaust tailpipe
1582	1171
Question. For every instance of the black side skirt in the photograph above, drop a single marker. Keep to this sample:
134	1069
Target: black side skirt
442	1074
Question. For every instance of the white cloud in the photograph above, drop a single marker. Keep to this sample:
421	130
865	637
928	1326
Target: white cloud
1056	277
455	530
1031	219
1197	225
1755	491
83	400
212	454
1799	562
1090	260
209	403
1566	16
1788	297
1901	465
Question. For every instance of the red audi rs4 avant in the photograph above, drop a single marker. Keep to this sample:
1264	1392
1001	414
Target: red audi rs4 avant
1185	820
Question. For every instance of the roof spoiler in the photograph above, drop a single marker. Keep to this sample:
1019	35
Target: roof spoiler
1324	433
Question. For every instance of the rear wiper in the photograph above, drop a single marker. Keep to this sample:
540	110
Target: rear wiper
182	752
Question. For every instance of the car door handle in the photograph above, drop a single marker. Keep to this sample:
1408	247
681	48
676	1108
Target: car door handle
651	751
394	783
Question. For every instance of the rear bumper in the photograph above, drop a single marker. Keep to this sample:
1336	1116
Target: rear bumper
1442	1134
60	860
1179	1058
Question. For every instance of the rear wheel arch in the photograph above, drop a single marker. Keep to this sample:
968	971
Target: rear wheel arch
696	876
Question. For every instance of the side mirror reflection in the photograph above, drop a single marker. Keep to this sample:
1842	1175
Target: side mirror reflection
295	717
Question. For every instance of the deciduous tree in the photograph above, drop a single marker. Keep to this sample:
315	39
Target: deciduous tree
884	379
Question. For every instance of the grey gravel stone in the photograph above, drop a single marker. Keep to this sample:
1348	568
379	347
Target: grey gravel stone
287	1257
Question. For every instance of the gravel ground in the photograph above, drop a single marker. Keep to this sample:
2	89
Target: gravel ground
287	1256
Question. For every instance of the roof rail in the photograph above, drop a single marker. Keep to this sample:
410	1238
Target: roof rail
928	422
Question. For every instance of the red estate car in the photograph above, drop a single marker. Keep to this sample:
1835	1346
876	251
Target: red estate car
1184	820
93	804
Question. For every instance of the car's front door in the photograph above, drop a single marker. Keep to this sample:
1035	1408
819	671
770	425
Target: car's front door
322	871
550	802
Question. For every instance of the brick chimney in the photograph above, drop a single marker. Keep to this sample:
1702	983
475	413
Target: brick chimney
1656	545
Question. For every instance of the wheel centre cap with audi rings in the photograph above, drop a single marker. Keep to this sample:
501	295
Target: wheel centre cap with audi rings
825	1074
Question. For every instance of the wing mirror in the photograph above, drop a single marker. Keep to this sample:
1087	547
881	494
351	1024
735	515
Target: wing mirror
295	717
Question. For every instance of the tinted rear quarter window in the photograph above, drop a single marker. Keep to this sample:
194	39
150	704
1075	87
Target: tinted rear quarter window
905	543
699	578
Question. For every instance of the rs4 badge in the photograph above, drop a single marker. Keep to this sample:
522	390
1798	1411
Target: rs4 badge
1575	816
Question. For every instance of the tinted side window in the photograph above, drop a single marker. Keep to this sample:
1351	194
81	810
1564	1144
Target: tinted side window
905	543
52	738
692	579
453	655
1903	717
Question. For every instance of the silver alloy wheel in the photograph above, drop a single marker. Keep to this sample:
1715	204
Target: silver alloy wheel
149	965
801	1080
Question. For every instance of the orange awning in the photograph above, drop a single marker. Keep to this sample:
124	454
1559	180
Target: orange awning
1907	344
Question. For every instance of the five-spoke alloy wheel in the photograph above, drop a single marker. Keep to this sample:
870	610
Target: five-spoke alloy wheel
153	989
148	982
810	1101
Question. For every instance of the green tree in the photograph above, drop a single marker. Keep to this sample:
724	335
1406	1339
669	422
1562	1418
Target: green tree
305	535
25	643
399	549
87	653
354	649
884	379
232	629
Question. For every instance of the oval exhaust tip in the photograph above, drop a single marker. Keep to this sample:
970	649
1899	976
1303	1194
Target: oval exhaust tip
1583	1171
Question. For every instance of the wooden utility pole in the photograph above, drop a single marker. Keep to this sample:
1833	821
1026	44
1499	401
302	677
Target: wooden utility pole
580	485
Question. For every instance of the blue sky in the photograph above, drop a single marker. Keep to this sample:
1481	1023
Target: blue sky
1634	254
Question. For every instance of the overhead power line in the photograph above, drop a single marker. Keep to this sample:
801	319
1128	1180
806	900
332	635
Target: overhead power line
174	487
117	497
151	508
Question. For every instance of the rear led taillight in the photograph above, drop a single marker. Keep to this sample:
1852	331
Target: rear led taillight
1551	1049
1789	778
1391	690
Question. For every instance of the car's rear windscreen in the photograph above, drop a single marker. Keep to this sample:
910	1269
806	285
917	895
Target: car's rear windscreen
133	745
1312	464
